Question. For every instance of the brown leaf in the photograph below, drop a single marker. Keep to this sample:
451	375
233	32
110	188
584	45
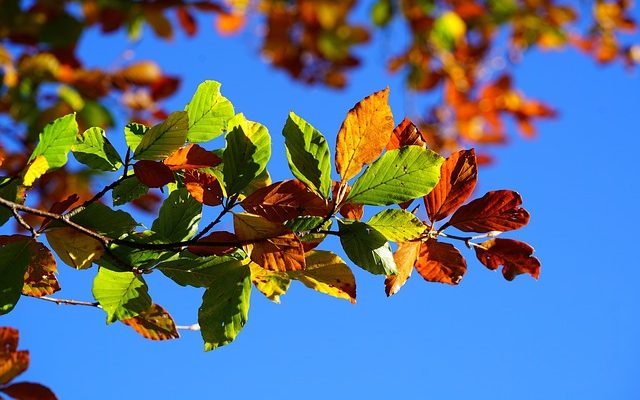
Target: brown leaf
495	211
191	157
12	362
154	323
29	391
458	177
40	279
405	134
59	207
285	200
142	73
163	88
203	187
440	262
405	257
8	339
515	257
215	237
364	133
153	173
186	21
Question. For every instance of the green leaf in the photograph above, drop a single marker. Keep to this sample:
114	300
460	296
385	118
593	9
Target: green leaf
14	259
56	140
135	257
382	12
308	154
397	225
201	271
399	175
104	220
247	153
208	112
447	30
8	192
367	247
225	305
130	189
121	295
94	150
179	216
163	139
133	134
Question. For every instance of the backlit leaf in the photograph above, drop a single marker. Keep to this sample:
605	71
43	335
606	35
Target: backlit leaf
179	217
405	134
515	257
192	156
163	139
271	284
14	259
153	174
203	187
122	295
74	248
397	225
12	362
458	176
367	247
495	211
220	237
130	189
405	257
364	134
35	169
225	306
94	150
209	112
399	175
56	140
133	134
154	323
308	154
328	274
440	262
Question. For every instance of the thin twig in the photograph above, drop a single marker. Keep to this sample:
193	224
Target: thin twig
24	223
97	196
231	202
192	327
70	302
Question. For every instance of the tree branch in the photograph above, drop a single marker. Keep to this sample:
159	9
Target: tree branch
230	204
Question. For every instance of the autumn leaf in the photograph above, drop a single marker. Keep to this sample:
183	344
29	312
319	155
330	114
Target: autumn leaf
271	284
515	257
74	248
154	323
29	391
440	262
203	187
153	174
405	257
328	274
12	362
405	134
458	176
364	134
191	157
495	211
285	200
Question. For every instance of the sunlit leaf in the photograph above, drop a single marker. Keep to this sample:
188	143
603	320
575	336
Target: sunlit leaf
36	168
271	284
201	271
163	139
405	134
133	134
191	156
440	262
495	211
179	217
56	140
74	248
515	257
94	150
328	274
122	295
203	187
154	323
397	225
209	112
367	247
12	362
405	257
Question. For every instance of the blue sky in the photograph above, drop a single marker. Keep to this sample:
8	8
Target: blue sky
571	335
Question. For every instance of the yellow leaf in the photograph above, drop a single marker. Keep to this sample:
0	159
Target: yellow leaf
74	248
38	167
364	133
271	284
405	257
328	274
154	323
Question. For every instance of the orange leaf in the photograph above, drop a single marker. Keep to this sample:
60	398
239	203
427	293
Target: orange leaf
153	173
405	257
203	187
458	176
405	134
154	323
364	133
12	362
350	210
8	339
29	391
40	279
285	200
141	73
215	237
191	157
495	211
229	24
515	257
440	262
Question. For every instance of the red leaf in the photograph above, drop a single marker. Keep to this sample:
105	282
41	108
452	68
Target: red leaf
405	134
191	157
29	391
495	211
186	21
458	176
203	187
153	173
164	87
515	257
215	237
285	200
8	339
440	262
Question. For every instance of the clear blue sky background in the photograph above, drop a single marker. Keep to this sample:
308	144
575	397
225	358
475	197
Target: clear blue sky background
571	335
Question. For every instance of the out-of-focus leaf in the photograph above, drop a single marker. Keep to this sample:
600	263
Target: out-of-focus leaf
179	217
405	257
122	295
397	225
367	247
29	391
440	262
209	112
495	211
515	257
154	323
12	362
364	134
94	150
448	30
163	139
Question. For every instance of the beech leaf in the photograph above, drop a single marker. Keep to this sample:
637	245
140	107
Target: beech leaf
495	211
367	247
326	273
154	323
440	262
163	139
121	295
515	257
405	257
153	174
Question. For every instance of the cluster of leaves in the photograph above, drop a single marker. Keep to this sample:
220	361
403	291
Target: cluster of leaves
275	238
13	362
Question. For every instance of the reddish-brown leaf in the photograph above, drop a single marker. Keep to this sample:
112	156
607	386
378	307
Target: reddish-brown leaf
164	87
29	391
12	362
441	262
8	339
405	257
154	323
458	176
191	157
495	211
285	200
186	21
40	279
229	24
215	237
153	173
59	207
405	134
515	257
203	187
351	210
